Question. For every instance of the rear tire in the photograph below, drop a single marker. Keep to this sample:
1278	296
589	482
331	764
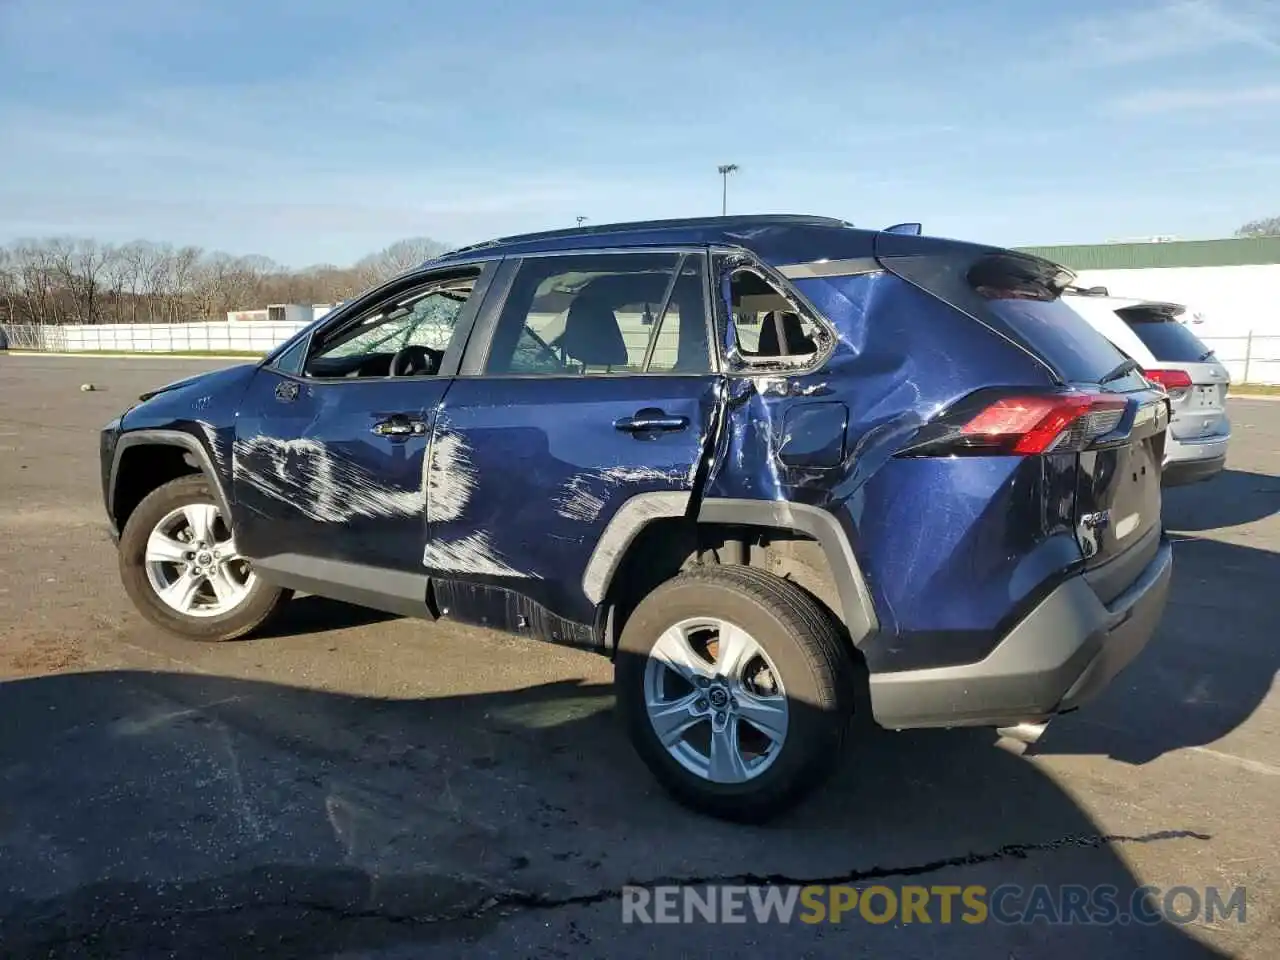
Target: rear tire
763	644
179	566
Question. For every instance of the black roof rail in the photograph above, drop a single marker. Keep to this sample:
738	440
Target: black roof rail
637	226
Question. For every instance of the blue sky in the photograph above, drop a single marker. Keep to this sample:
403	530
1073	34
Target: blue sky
316	130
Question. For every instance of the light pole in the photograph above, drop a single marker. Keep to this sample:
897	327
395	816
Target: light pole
580	219
725	169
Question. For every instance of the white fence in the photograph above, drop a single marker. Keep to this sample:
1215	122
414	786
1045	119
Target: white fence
1254	358
212	337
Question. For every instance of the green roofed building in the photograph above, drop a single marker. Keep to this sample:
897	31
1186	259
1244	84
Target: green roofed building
1231	289
1254	251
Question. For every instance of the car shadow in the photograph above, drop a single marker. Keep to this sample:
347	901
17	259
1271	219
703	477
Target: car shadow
1231	499
312	614
1212	662
150	812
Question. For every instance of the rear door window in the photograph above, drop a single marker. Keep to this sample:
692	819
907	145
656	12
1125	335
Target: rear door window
598	314
1168	340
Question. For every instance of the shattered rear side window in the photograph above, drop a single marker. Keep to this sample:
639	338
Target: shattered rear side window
771	330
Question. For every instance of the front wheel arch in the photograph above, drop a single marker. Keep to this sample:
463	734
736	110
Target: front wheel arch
146	460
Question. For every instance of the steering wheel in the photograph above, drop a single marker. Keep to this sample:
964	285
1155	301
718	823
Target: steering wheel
411	360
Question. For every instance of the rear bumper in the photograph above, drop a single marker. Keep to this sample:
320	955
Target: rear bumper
1195	448
1066	650
1180	472
1193	460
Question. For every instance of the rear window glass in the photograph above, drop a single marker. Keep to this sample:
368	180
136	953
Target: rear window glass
1019	294
1026	294
1060	335
1170	341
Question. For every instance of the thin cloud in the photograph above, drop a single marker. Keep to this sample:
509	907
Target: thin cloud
1151	102
1182	28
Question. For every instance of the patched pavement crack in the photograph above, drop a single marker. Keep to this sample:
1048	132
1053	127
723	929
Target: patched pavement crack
1012	851
493	904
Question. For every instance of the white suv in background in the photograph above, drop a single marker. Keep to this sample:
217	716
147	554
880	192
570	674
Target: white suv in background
1173	356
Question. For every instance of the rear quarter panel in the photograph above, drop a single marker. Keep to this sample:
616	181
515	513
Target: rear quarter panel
948	547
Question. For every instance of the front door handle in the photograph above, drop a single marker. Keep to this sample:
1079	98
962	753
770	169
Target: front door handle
649	421
287	390
399	427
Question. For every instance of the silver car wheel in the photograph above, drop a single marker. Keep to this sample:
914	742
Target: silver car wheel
716	700
192	563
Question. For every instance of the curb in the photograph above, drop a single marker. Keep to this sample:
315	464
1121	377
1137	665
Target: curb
1265	397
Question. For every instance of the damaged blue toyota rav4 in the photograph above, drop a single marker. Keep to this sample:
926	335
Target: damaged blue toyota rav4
761	462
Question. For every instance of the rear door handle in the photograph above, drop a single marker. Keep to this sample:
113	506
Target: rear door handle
399	427
651	420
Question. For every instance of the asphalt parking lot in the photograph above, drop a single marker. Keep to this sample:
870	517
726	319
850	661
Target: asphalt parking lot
359	786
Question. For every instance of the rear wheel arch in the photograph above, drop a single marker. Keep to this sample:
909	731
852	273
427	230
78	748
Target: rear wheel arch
146	460
649	543
852	603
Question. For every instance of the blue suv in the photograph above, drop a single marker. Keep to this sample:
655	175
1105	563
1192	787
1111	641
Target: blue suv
758	461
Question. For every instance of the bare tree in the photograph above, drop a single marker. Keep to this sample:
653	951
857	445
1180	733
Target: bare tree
39	283
136	260
1266	227
183	266
137	257
116	275
89	258
394	260
63	280
11	299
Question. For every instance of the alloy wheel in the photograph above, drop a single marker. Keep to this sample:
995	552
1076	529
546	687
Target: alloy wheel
192	563
716	700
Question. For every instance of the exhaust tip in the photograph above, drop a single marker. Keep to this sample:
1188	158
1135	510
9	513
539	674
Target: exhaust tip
1027	733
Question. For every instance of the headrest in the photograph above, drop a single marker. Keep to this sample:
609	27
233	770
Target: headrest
591	334
792	329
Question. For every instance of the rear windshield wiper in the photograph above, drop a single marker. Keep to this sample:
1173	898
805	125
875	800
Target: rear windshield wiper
1128	366
1207	355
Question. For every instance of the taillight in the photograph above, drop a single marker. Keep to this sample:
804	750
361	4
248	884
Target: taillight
1042	424
1175	382
1022	425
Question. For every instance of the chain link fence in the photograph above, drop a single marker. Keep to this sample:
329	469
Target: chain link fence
1254	358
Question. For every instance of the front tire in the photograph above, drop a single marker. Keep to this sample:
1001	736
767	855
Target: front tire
179	565
735	687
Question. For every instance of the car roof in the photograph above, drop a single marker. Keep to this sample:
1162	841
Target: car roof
760	232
